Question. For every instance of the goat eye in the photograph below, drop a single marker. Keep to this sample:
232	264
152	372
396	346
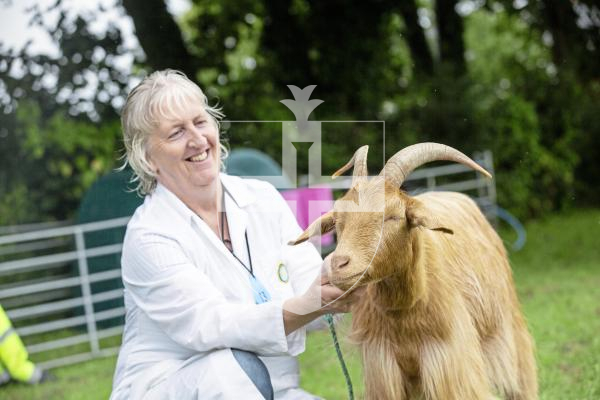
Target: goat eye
392	218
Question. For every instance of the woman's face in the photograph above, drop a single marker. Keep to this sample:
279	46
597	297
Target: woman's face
184	150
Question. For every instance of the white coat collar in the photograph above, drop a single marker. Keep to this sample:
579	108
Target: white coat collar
238	189
235	186
236	200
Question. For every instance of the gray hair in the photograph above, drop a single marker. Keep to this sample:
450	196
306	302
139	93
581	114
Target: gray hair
158	96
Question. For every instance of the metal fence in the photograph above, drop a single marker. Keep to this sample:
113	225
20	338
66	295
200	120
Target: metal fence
46	288
67	311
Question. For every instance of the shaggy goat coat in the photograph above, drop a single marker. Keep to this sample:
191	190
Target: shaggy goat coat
446	325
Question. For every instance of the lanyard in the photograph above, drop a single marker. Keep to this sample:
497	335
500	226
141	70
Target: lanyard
225	241
261	294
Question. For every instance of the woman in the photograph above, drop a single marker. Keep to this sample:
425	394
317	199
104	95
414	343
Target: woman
210	283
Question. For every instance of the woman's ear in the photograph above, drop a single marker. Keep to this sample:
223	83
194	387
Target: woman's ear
418	215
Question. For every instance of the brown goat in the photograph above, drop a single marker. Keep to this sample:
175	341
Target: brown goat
441	319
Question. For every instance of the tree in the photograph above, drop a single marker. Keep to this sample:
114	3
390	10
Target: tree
160	36
572	31
53	144
401	61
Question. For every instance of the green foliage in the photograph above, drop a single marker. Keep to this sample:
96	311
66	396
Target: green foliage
15	206
511	102
51	162
513	136
585	117
526	113
531	177
535	111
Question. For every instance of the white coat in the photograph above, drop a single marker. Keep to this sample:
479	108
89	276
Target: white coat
186	296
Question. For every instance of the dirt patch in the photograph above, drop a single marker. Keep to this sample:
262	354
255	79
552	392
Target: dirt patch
570	370
526	294
574	346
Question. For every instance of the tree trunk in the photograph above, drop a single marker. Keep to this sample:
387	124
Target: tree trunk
286	42
415	37
560	20
160	37
450	31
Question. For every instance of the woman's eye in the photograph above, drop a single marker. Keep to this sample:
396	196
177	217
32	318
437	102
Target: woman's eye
200	123
176	134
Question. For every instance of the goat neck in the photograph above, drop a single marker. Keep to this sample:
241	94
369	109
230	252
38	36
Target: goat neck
407	285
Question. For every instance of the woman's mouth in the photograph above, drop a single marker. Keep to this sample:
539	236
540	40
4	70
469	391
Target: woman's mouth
199	157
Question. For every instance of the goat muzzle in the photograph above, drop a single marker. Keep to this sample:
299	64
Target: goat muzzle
339	262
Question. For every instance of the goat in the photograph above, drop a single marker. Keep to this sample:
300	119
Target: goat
440	319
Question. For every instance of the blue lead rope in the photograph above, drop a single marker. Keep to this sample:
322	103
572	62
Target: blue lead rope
336	343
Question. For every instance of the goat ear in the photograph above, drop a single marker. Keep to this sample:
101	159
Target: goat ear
417	215
319	226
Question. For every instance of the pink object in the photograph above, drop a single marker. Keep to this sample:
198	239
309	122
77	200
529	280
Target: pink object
308	204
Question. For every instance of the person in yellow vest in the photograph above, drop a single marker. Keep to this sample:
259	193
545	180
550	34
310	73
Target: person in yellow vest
14	360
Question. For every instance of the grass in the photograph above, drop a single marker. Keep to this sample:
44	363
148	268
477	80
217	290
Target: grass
85	381
558	280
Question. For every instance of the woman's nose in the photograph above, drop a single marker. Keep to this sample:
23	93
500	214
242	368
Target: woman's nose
197	137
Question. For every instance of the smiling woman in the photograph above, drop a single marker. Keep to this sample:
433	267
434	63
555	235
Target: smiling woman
158	111
202	263
183	151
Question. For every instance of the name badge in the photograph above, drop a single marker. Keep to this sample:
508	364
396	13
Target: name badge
261	294
282	273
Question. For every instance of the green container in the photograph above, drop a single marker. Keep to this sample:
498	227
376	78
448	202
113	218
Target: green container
109	197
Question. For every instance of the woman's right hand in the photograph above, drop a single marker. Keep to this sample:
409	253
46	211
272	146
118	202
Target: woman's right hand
321	298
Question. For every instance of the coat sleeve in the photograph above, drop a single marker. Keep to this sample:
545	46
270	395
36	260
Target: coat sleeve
183	302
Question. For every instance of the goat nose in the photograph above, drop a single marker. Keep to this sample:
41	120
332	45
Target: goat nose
339	261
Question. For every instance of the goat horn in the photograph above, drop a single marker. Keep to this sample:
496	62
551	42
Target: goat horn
359	161
401	164
321	225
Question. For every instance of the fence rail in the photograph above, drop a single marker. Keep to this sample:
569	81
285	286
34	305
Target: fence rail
51	280
47	288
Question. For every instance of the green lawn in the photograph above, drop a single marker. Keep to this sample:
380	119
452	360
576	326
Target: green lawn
558	279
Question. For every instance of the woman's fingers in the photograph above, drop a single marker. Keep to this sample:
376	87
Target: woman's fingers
325	270
334	298
338	300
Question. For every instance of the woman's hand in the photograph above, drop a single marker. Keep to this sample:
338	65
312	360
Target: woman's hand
333	299
320	298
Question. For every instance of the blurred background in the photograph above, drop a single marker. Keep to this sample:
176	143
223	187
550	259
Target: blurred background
518	78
